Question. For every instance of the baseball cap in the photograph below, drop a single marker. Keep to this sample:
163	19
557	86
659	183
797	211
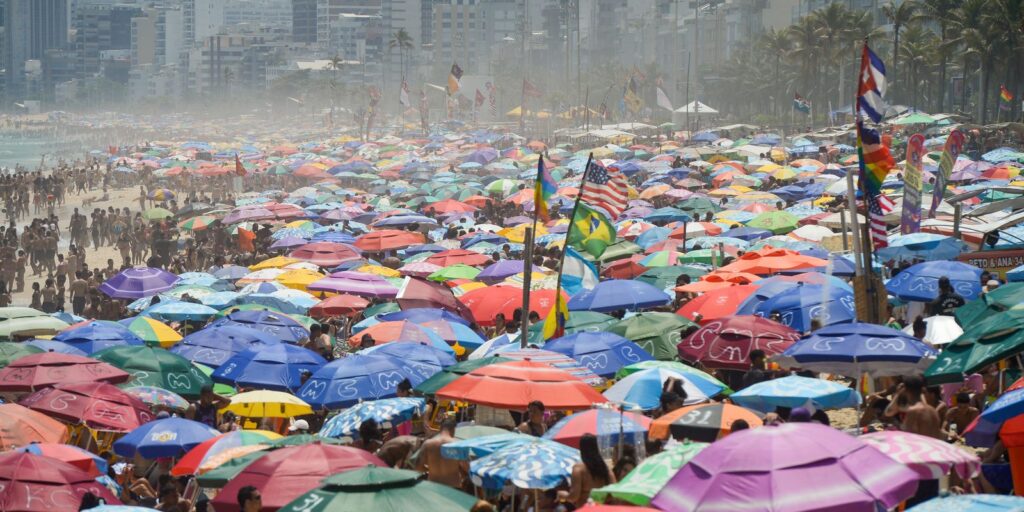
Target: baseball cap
299	425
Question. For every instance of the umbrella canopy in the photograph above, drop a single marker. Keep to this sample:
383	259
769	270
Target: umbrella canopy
513	385
339	305
344	382
921	282
930	457
273	323
457	256
702	422
326	254
268	404
388	240
97	335
486	303
997	336
168	437
151	366
158	397
275	367
608	425
854	348
536	464
468	448
795	391
27	326
727	342
939	330
214	345
96	405
138	282
972	503
656	332
602	352
191	462
446	376
616	294
800	305
381	490
643	389
771	466
152	331
20	426
386	412
716	304
37	483
79	457
650	476
356	283
285	474
38	371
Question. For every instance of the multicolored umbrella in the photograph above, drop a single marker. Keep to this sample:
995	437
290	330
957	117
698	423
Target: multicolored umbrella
536	464
650	476
212	447
386	412
152	331
795	391
158	397
610	426
702	422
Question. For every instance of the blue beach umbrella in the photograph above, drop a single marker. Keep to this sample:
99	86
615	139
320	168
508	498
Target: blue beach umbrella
428	355
169	437
98	335
231	272
601	352
796	391
213	346
57	346
1009	405
971	503
854	348
468	449
922	246
179	311
347	381
800	305
275	324
921	282
643	389
275	367
537	464
616	294
387	413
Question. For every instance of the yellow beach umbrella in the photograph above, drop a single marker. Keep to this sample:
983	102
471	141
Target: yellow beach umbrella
299	278
517	234
379	270
154	332
268	404
275	262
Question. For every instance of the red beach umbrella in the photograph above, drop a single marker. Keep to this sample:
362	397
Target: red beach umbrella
326	254
33	483
97	405
37	371
486	303
513	385
727	342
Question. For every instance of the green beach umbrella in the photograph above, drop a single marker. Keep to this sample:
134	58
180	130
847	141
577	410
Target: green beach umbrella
220	476
1000	299
656	332
442	378
664	277
9	351
705	256
151	366
457	271
380	490
380	309
994	338
647	479
915	118
220	389
697	206
198	223
618	250
157	214
779	223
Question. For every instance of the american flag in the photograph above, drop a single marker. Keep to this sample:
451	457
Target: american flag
492	99
879	232
605	188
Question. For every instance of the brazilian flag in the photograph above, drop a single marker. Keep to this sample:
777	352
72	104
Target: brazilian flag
590	231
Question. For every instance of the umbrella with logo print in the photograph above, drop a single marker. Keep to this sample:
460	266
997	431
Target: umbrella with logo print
152	366
604	353
854	348
169	437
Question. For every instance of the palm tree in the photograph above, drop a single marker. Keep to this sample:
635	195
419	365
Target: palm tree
806	50
776	44
939	11
967	19
918	49
335	64
1005	18
899	15
403	41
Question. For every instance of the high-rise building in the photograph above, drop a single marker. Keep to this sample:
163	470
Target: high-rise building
203	18
258	13
304	21
100	28
31	28
311	19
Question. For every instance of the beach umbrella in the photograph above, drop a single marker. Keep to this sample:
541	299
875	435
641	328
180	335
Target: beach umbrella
995	301
922	247
420	293
20	426
151	366
388	240
326	254
537	464
800	305
138	282
602	352
275	367
179	311
449	374
617	294
939	330
673	366
643	389
154	332
338	305
157	214
554	359
931	458
356	283
513	385
971	503
285	474
198	223
168	437
39	371
41	325
855	348
771	467
427	355
272	323
640	485
778	222
344	382
77	457
214	345
97	405
97	335
610	427
579	321
158	397
984	342
795	391
727	342
401	330
656	332
268	404
503	269
386	412
457	256
380	489
486	303
219	476
474	447
921	281
197	456
35	483
702	422
10	351
453	272
716	304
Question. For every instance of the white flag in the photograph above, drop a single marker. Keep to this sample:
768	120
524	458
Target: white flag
403	96
663	101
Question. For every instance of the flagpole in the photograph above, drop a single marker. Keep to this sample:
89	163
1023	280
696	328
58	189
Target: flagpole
530	240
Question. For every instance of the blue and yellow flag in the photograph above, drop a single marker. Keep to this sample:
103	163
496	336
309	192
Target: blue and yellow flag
590	231
543	189
554	324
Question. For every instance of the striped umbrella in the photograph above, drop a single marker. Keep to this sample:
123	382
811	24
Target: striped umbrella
640	485
212	447
537	464
930	457
152	331
198	223
386	412
154	396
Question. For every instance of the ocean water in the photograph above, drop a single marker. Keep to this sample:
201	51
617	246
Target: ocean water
26	152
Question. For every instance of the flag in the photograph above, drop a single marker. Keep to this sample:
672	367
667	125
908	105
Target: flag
950	152
543	189
492	98
663	100
871	86
590	231
245	240
875	164
239	170
453	79
554	324
403	95
424	111
802	104
531	90
631	97
605	188
910	222
478	100
1005	94
578	274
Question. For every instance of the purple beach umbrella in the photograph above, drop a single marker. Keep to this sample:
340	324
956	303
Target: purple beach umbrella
288	242
247	214
502	269
793	467
355	283
138	282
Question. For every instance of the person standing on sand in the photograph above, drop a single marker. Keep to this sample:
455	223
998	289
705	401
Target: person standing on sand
914	413
441	469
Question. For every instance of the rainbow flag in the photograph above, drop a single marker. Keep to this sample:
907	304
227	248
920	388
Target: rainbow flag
1005	94
875	159
543	189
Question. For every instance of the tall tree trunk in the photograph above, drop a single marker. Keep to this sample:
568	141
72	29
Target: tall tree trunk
986	75
942	72
895	61
963	84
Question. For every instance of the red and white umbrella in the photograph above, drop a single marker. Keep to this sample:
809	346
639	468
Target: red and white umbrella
929	457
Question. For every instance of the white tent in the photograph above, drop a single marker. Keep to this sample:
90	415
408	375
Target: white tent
695	107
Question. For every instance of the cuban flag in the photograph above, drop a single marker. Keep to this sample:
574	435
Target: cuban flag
871	88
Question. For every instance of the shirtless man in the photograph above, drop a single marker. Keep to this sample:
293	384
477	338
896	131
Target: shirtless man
916	415
439	469
961	415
